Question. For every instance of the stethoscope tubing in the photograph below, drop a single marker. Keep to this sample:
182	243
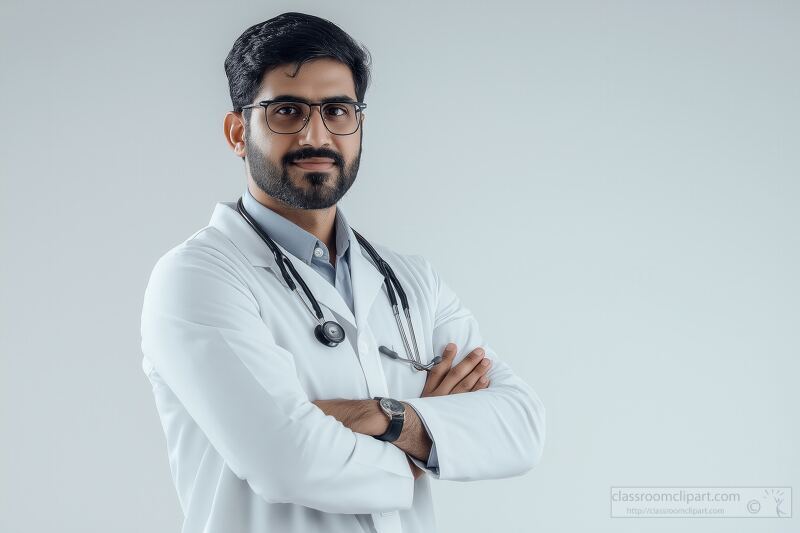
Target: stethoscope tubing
390	281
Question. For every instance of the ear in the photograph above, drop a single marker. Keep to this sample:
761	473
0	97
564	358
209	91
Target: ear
233	127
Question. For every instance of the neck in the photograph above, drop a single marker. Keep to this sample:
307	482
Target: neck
318	222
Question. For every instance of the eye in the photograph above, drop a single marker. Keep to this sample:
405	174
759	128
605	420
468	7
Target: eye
287	110
337	110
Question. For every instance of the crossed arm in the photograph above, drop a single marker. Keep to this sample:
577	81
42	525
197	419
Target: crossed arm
366	416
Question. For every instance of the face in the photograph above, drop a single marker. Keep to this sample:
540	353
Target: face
272	158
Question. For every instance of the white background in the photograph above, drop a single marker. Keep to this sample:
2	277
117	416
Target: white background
611	187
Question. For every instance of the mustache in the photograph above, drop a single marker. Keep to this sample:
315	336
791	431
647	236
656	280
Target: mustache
306	153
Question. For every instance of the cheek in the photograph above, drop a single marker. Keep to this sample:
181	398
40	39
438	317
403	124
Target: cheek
276	150
350	150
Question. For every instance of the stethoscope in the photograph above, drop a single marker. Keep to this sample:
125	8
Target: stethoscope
329	332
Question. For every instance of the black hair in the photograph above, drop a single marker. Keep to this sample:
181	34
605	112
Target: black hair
290	38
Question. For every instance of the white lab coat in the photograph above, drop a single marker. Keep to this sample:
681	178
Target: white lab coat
234	365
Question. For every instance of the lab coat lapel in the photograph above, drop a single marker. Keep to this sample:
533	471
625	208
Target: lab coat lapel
228	220
365	279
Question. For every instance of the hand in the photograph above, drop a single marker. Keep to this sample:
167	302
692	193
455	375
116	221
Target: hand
466	376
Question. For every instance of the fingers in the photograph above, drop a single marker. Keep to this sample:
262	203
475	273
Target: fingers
439	371
480	384
462	370
474	377
467	376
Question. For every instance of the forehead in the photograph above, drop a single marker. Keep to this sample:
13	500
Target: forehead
316	79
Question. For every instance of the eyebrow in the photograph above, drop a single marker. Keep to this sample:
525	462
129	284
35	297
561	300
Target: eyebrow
293	98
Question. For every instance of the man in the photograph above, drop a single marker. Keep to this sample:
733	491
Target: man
268	427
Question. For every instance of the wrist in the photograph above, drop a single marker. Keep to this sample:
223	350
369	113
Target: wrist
394	416
379	422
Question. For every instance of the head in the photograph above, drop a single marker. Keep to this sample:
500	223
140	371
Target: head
309	58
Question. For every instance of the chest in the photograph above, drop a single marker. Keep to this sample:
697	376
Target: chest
355	369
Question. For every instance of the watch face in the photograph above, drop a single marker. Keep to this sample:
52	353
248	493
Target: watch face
393	406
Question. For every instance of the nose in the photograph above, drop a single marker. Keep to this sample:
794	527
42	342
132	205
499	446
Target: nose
315	133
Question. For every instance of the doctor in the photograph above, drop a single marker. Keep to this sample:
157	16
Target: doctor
293	394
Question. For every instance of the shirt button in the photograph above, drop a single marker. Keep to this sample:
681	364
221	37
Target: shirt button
363	346
318	252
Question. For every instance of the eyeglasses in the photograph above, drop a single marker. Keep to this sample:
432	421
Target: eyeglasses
284	116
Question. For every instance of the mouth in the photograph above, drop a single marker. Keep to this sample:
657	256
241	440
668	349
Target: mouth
314	163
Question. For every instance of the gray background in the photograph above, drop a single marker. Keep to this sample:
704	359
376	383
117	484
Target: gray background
611	187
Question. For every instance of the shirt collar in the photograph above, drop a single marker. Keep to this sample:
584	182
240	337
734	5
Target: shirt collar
297	241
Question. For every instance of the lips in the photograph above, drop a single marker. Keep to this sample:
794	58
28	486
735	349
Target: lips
315	163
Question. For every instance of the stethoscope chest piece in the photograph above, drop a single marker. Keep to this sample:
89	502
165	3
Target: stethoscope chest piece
329	333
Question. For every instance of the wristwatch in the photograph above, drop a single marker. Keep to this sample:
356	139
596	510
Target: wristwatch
396	412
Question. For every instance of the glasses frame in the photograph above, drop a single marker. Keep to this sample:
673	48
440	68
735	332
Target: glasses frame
360	107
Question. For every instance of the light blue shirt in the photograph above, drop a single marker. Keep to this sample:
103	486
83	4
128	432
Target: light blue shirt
313	252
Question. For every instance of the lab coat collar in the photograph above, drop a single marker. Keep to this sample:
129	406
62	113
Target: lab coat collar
292	237
365	278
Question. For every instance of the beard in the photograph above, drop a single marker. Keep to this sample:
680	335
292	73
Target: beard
314	192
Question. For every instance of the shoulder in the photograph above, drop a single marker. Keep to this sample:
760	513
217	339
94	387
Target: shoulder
206	246
205	258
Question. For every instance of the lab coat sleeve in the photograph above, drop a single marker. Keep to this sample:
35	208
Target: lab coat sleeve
203	332
491	433
432	464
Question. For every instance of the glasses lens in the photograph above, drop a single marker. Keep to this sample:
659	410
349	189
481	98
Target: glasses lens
290	117
341	118
287	117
